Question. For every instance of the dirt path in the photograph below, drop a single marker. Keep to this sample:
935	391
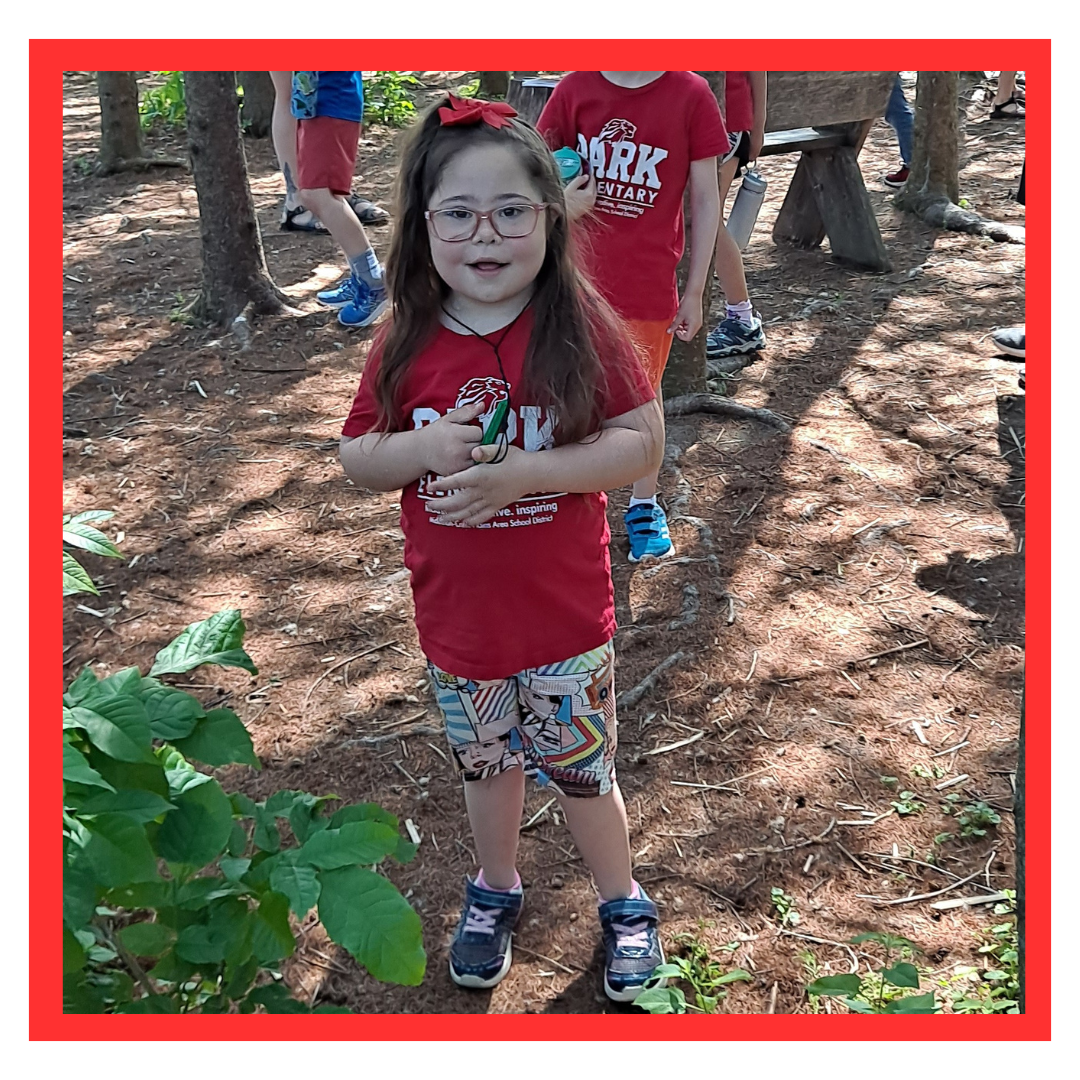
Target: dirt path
844	582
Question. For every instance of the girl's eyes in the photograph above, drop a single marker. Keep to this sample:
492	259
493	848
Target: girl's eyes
510	213
457	215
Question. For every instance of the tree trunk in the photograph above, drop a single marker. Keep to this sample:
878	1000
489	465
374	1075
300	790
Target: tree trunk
121	136
933	186
257	112
494	84
685	372
234	273
1020	819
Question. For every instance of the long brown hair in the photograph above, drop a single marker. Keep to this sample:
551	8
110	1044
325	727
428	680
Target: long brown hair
562	367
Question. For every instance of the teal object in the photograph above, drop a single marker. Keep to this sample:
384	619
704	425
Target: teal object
569	162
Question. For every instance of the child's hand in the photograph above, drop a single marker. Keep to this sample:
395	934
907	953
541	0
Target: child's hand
479	491
688	318
580	196
757	141
451	440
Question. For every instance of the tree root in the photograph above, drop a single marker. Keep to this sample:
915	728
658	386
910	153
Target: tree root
729	365
689	616
942	213
629	698
140	165
379	740
688	404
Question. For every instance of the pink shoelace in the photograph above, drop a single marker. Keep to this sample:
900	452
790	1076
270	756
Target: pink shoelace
634	936
480	920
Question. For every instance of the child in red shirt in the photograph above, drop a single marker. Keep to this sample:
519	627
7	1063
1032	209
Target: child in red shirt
645	134
504	398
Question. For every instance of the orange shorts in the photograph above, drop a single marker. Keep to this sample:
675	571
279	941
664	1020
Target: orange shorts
654	341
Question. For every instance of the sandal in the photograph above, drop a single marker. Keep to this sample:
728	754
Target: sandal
301	220
368	212
1012	109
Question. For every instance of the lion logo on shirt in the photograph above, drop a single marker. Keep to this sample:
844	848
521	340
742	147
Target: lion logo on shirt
489	392
617	130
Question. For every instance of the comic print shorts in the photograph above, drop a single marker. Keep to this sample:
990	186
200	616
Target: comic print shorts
557	722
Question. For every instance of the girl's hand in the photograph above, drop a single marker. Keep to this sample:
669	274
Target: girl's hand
688	318
481	490
450	440
757	141
580	196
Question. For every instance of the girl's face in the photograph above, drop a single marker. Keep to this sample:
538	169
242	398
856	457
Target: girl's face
488	270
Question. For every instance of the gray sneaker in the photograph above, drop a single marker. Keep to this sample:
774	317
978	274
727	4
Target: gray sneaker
733	337
1010	341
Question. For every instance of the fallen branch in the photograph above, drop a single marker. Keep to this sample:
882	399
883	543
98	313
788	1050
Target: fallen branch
791	847
342	663
688	404
631	697
921	896
378	740
140	164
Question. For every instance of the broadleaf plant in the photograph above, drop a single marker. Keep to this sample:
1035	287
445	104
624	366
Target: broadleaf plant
180	897
78	534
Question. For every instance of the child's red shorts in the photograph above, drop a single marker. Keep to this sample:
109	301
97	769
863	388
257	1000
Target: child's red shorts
326	153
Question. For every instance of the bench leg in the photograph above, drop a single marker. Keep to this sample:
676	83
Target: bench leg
799	222
844	206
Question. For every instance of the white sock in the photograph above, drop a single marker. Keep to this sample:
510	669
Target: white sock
651	501
743	311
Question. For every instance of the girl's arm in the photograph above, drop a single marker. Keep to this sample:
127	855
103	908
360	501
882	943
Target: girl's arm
704	221
382	462
628	447
759	82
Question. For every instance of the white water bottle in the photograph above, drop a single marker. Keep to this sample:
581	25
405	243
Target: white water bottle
744	212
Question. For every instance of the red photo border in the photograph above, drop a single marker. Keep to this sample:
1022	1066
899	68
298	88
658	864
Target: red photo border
48	59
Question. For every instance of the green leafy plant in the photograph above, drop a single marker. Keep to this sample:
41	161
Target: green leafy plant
906	803
996	987
705	977
976	818
884	991
79	534
810	967
929	772
177	895
387	99
785	906
469	89
165	103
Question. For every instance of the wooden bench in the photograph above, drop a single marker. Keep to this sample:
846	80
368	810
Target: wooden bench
825	116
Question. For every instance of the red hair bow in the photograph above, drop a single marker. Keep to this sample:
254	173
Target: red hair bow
473	111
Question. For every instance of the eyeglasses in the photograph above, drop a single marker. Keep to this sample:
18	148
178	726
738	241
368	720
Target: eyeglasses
511	222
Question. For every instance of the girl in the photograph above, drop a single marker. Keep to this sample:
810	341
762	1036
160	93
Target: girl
504	398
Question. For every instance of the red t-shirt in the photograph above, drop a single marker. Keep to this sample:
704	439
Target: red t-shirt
639	143
531	586
738	101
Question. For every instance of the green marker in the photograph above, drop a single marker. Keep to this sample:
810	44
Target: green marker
491	433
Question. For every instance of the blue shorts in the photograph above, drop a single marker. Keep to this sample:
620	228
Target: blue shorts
557	722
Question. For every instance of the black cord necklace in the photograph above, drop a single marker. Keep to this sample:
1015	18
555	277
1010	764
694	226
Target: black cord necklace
495	346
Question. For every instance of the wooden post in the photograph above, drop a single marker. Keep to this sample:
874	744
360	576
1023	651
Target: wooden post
493	84
121	136
529	96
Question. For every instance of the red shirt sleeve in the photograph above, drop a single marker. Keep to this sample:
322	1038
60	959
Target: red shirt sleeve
364	414
708	136
554	124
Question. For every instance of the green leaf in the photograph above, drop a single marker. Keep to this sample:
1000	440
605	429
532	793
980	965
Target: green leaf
76	579
118	726
266	835
196	832
857	1005
734	975
80	535
405	851
173	713
144	894
363	812
179	772
152	1003
239	977
119	852
90	515
140	806
662	999
918	1003
237	839
835	985
273	937
83	684
215	640
305	820
902	975
242	805
275	998
77	769
365	913
147	938
328	1007
233	869
74	954
298	882
363	842
219	738
172	969
80	892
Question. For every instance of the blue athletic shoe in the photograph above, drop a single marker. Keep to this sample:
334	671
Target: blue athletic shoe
733	337
632	950
365	307
480	953
339	295
647	528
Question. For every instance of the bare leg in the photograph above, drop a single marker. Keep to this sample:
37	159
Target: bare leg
337	215
600	832
283	130
729	268
644	488
494	807
727	175
1006	86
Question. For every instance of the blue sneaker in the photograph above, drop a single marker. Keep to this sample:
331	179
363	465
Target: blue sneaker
365	307
632	949
480	953
733	337
646	526
339	295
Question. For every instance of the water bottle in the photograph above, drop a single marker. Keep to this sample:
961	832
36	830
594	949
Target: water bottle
744	212
569	162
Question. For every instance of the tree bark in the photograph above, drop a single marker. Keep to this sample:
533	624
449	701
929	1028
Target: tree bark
933	186
121	136
234	274
1020	820
494	84
257	112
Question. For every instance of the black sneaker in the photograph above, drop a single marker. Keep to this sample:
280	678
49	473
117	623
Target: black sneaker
632	949
480	953
1010	341
733	337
